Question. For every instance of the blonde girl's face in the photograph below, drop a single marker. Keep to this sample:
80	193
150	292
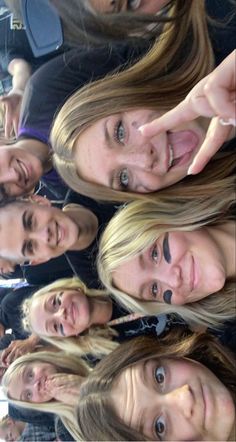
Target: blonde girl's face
113	152
61	313
178	268
29	384
137	6
174	400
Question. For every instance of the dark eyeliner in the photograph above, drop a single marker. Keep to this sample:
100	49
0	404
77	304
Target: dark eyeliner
166	248
167	295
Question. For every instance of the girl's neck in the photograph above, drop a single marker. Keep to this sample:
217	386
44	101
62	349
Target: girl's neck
87	223
101	310
224	235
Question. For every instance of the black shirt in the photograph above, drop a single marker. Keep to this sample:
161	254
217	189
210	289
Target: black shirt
75	263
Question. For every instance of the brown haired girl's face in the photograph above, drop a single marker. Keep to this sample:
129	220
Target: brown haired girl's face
138	6
174	400
114	153
178	268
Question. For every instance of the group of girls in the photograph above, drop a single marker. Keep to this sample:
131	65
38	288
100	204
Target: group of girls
168	253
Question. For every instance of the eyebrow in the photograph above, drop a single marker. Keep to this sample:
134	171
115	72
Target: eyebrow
47	327
23	380
144	378
24	223
108	139
24	248
24	220
109	142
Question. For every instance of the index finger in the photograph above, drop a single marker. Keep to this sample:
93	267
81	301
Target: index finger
215	137
180	114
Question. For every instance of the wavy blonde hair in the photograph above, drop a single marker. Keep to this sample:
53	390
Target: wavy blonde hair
97	340
64	364
161	79
135	227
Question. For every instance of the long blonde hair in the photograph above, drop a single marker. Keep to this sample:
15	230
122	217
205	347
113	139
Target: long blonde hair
65	364
161	79
97	340
136	226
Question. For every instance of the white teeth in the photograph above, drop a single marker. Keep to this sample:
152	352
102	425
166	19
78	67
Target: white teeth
171	155
24	171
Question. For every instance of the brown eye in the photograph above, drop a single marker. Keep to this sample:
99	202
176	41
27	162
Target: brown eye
160	375
160	427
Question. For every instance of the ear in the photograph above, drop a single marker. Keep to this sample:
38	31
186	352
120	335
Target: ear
38	199
36	261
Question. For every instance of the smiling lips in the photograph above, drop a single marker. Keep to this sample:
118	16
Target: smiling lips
23	172
60	233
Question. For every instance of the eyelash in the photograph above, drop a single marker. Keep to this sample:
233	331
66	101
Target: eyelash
29	221
30	375
154	286
161	385
57	301
30	248
28	395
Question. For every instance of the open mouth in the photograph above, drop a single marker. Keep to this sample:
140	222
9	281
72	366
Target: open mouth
60	233
24	173
181	146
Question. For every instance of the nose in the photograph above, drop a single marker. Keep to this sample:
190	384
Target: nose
142	157
45	235
182	399
170	275
61	313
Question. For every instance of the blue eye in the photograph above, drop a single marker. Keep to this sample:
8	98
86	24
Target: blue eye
154	290
28	395
124	179
160	427
30	375
160	375
120	132
155	254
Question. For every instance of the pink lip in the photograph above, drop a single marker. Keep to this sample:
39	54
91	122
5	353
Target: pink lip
207	402
25	172
60	233
195	275
191	275
72	313
167	160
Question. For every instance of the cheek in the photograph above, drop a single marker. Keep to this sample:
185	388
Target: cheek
149	182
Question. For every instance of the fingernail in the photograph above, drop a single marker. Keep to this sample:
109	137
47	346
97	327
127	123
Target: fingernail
189	172
228	121
140	128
